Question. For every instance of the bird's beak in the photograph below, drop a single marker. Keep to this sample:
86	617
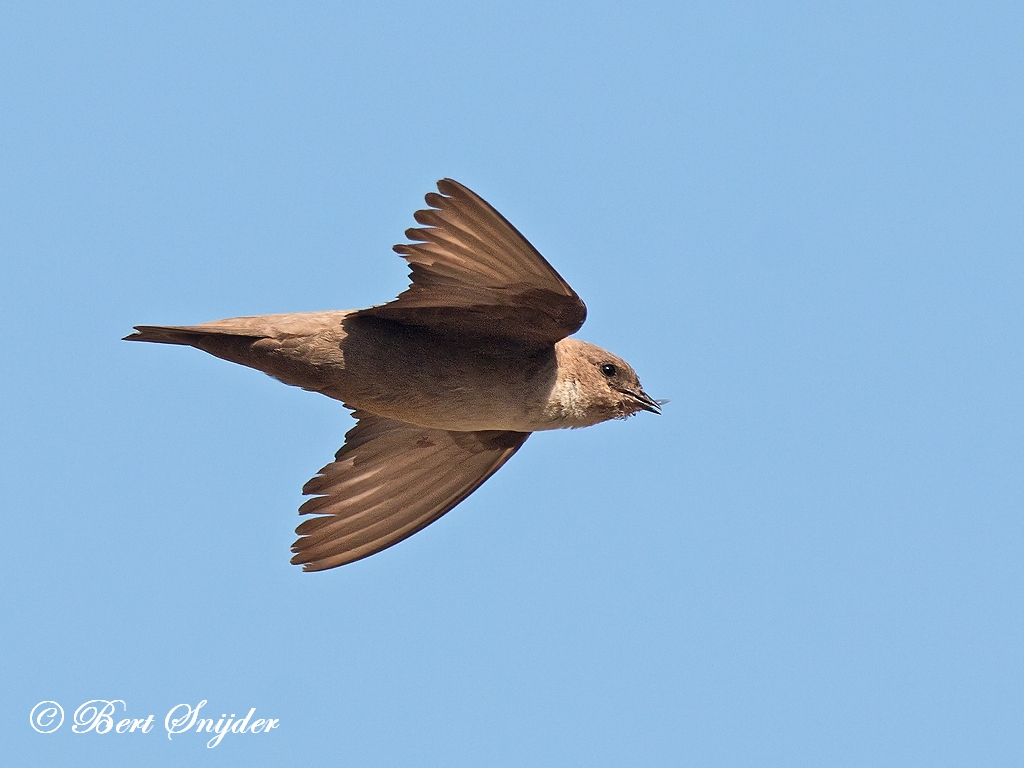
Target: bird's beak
646	402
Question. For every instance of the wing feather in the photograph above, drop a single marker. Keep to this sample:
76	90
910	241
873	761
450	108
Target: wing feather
473	273
388	481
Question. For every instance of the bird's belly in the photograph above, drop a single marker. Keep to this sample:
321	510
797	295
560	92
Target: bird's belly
454	410
411	376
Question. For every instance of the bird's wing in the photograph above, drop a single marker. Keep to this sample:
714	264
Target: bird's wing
388	481
473	273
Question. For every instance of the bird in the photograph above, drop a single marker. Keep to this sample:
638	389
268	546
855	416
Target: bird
446	382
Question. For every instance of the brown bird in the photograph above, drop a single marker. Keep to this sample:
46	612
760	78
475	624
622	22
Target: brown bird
446	382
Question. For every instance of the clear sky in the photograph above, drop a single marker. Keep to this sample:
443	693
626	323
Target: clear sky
802	222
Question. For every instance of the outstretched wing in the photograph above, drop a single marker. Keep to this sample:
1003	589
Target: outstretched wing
388	481
473	273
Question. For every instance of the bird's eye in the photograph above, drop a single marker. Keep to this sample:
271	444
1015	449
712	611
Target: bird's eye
609	370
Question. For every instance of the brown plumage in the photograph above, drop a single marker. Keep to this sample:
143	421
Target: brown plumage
447	381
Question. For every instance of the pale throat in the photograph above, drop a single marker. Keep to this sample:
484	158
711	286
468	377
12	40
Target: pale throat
568	405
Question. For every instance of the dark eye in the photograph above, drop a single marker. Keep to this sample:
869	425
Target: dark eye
609	370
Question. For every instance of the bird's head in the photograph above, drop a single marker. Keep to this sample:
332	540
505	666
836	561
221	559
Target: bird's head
594	385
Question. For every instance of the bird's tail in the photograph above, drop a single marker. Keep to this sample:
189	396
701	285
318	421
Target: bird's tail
279	345
283	346
227	339
189	335
233	330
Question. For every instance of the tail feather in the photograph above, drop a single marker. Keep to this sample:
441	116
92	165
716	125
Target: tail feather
179	334
283	345
254	327
188	335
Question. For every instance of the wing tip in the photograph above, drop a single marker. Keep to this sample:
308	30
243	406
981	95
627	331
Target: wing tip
315	564
449	187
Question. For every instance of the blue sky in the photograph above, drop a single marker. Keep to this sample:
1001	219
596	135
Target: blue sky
802	222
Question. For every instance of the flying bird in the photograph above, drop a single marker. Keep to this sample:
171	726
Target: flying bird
445	382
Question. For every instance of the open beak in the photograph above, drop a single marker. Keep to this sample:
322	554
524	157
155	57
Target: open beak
646	402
